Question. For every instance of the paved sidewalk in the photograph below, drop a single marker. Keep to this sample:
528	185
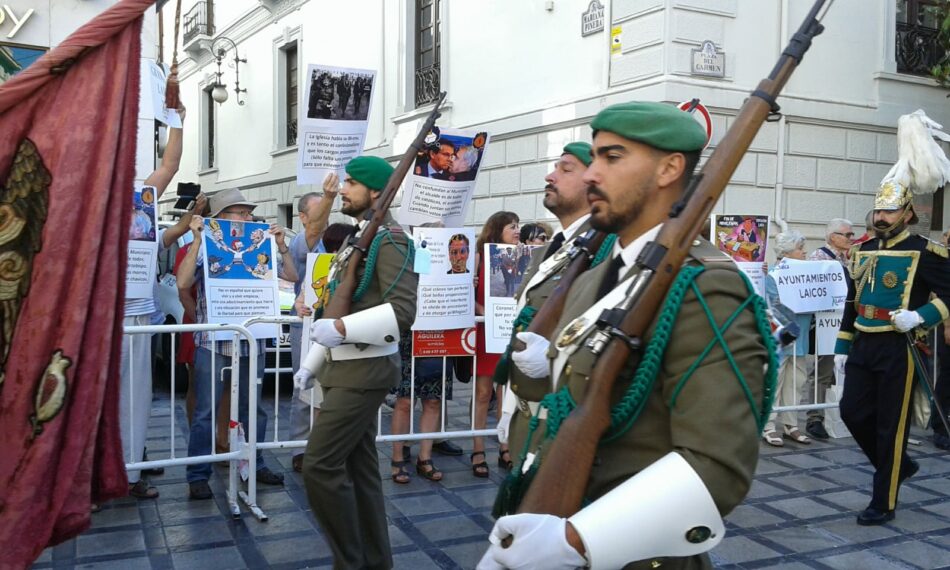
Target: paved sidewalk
799	514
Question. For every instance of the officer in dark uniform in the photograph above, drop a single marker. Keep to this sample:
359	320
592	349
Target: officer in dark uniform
892	277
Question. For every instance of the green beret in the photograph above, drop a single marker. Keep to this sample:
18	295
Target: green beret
580	151
659	125
370	171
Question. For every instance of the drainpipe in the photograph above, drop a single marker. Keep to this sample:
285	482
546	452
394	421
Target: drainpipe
780	153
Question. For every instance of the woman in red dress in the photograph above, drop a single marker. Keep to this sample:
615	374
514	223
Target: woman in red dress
501	227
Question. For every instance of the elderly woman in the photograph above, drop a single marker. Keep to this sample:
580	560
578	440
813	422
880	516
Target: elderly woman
790	244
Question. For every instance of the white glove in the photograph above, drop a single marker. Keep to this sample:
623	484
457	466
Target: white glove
533	360
303	379
323	332
538	541
905	320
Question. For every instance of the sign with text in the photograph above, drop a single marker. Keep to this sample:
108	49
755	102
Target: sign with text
446	294
454	342
810	286
152	96
505	266
143	245
240	272
827	325
592	21
333	116
708	62
745	240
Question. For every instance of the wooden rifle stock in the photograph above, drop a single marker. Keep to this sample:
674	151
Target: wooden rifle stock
559	486
339	304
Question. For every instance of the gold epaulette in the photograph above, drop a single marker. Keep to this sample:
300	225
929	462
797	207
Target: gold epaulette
937	248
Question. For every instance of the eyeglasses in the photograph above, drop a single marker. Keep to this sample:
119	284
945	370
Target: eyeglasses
849	235
542	237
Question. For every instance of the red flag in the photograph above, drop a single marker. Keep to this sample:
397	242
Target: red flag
67	155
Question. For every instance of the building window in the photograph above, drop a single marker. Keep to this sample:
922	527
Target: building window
14	59
428	44
208	132
285	215
291	95
918	24
199	21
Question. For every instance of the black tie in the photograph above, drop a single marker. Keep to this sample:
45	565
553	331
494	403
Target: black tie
612	277
555	245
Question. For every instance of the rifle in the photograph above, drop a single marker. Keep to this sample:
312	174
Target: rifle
561	481
339	304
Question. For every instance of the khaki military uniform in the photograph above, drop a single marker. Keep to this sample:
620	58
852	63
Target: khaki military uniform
341	467
711	424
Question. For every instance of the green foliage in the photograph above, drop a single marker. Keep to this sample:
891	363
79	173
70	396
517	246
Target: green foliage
941	71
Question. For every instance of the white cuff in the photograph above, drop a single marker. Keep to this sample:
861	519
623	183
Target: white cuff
665	510
376	326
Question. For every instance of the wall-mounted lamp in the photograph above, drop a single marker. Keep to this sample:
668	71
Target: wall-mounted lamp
220	47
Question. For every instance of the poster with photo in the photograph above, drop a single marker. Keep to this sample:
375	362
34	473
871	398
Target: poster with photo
446	293
143	245
745	240
440	185
333	116
505	270
314	287
152	95
240	271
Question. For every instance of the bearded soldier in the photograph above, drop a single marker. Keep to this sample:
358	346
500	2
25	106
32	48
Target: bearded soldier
662	464
362	363
892	277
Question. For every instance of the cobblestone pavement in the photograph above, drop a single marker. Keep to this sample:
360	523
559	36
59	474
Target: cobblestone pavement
799	514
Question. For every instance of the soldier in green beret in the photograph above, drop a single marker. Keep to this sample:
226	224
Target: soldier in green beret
664	468
889	294
361	362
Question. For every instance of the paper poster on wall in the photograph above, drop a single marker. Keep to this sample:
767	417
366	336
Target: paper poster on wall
152	99
810	286
446	292
143	245
503	275
240	271
745	240
333	116
827	324
440	185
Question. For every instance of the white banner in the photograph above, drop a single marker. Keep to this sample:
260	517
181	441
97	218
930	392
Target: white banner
143	245
446	293
333	116
505	266
440	186
810	286
827	324
152	94
240	272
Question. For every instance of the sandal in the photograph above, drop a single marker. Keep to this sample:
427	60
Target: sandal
504	459
401	475
795	435
141	490
432	473
479	469
773	438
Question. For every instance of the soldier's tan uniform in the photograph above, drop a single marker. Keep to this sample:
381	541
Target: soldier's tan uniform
724	458
341	468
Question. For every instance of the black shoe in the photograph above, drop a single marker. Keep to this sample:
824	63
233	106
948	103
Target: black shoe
909	471
199	491
268	477
816	429
153	470
873	517
446	447
941	441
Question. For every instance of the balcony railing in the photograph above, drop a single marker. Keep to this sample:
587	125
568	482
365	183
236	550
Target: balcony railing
917	49
428	82
199	20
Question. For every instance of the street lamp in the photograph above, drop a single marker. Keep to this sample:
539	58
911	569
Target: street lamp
219	48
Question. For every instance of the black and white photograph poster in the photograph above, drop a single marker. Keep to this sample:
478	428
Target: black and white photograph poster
334	113
442	180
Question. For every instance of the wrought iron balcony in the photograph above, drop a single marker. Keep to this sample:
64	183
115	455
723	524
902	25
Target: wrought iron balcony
292	131
199	20
428	84
917	49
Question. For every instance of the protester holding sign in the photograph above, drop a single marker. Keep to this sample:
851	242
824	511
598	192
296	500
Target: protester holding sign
789	244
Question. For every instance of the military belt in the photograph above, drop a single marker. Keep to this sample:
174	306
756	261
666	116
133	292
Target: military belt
874	313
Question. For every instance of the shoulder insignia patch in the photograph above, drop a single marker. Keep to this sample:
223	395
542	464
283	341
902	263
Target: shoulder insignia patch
937	248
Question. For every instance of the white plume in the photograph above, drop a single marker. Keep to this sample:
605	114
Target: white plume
921	164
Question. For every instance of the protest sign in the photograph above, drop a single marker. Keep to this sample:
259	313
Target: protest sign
240	272
454	342
313	289
446	293
827	325
745	240
143	245
810	286
152	97
442	181
333	115
504	270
